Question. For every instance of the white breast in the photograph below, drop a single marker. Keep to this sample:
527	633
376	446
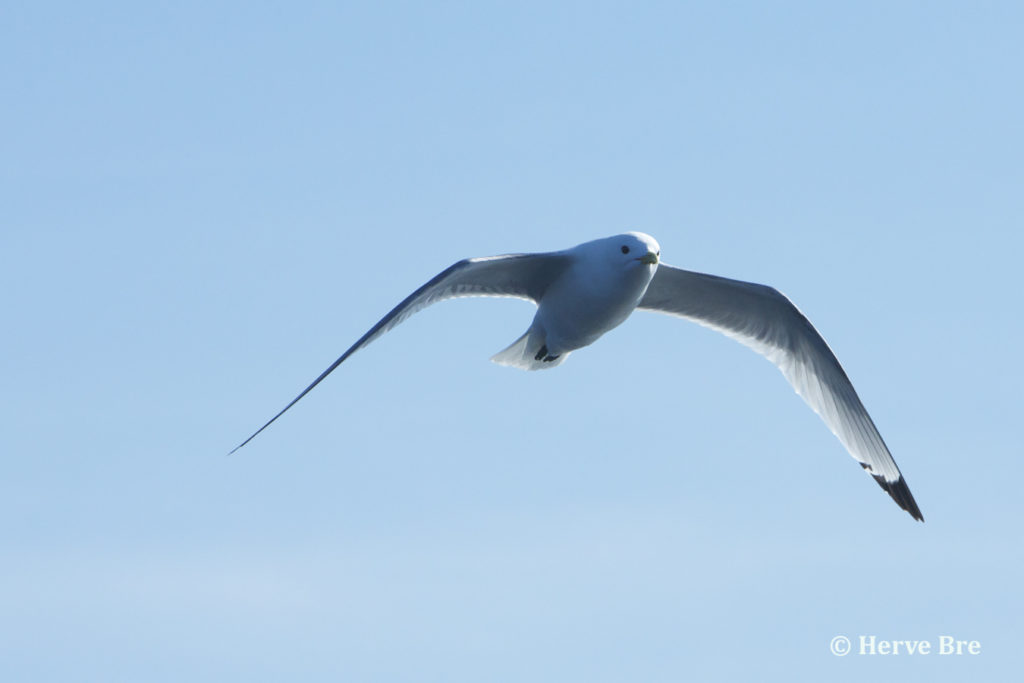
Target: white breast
588	301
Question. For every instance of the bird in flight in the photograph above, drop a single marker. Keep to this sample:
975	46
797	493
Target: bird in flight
587	290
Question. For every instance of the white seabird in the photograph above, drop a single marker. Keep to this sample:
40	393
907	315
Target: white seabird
587	290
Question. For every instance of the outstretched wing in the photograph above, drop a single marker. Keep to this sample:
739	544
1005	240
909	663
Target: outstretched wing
523	276
763	319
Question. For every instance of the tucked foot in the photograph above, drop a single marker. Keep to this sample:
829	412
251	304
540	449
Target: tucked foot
544	356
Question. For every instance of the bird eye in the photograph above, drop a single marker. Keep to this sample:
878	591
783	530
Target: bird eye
625	249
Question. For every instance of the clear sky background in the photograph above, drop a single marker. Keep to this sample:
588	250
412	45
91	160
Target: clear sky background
203	204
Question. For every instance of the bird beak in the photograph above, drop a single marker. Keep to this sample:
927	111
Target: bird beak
650	259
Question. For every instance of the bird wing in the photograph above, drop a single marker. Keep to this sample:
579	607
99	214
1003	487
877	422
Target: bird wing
522	276
762	318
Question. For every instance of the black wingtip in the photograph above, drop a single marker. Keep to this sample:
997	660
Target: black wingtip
900	492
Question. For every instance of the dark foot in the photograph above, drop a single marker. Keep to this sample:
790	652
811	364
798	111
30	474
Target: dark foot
543	355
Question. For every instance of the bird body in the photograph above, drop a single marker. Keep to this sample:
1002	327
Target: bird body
583	292
600	286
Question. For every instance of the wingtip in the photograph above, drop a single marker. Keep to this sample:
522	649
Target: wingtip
900	492
232	451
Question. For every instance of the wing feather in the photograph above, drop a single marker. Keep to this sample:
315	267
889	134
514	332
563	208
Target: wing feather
522	276
763	319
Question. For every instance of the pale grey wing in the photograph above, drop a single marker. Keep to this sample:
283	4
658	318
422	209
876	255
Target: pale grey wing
522	276
765	320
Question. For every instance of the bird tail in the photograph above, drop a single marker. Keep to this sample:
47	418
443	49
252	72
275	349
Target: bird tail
523	352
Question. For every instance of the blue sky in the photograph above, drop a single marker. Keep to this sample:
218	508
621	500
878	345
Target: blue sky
204	204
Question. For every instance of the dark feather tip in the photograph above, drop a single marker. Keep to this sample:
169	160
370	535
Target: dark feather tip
900	492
